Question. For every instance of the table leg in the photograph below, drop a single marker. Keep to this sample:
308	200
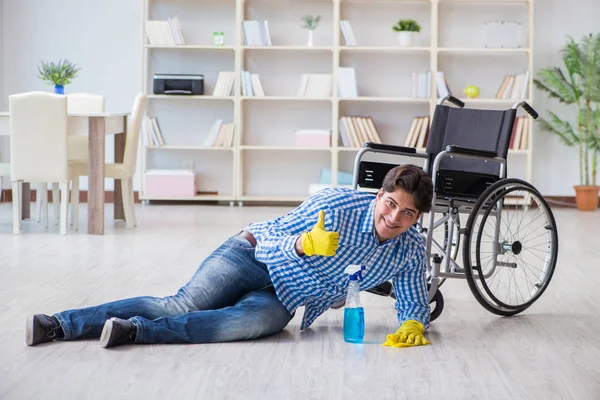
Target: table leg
26	201
120	140
97	133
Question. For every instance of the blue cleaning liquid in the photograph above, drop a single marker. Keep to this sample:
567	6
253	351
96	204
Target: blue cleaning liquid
354	325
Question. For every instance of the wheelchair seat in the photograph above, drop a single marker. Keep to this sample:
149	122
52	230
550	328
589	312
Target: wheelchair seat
481	132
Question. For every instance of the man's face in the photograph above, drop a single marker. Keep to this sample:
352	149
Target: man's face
394	213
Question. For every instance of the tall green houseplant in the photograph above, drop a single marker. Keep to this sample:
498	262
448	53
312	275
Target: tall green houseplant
579	87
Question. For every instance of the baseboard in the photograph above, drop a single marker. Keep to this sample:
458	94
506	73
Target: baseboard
562	201
109	196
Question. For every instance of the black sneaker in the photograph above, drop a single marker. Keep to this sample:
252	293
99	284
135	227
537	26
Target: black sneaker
116	332
384	289
338	304
42	328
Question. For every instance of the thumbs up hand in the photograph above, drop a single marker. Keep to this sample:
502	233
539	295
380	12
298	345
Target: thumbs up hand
318	241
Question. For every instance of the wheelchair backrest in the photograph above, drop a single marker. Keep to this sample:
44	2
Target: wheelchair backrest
487	130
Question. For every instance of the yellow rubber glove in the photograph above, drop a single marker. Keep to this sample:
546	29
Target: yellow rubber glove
318	241
409	334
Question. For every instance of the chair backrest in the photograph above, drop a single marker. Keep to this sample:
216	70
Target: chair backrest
134	126
85	103
38	137
488	130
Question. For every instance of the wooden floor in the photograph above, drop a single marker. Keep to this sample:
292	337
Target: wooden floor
552	351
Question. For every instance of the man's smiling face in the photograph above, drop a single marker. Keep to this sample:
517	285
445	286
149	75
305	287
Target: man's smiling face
394	213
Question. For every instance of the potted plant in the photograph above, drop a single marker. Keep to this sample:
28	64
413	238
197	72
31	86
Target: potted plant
406	29
59	74
310	23
579	87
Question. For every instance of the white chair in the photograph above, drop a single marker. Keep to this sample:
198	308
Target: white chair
125	170
38	147
81	103
84	102
77	103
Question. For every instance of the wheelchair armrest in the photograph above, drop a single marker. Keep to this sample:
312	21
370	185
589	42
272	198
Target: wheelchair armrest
463	150
389	147
527	108
452	100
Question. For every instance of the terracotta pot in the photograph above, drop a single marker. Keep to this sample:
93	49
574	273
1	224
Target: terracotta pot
586	197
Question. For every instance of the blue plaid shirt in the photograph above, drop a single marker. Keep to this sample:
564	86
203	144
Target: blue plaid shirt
317	282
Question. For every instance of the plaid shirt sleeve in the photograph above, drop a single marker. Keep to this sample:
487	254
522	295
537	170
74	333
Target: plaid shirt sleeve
410	288
278	242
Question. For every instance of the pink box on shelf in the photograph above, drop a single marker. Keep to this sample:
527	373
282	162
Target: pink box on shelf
313	138
170	183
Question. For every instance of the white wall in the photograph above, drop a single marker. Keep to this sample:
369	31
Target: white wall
555	169
4	141
1	55
103	37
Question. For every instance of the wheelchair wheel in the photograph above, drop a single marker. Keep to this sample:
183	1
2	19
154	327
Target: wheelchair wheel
436	305
511	247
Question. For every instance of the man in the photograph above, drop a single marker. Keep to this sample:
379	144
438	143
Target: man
253	283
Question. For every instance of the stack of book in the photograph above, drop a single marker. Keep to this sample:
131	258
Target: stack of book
356	130
165	32
224	85
256	33
443	89
151	133
315	85
519	139
348	33
513	87
347	82
220	134
251	85
421	84
417	133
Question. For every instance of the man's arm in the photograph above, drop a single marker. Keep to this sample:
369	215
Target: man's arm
282	240
410	288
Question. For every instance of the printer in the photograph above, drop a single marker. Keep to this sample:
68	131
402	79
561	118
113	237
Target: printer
180	84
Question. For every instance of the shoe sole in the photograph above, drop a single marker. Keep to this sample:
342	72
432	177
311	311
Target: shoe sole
106	333
29	331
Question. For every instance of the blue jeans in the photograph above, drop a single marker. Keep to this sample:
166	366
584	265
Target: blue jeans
230	297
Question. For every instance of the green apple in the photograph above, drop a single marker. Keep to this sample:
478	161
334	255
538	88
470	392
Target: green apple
471	91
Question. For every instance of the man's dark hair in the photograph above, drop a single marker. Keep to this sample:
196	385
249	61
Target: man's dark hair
413	180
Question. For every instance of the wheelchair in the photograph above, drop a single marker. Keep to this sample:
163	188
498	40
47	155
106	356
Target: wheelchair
507	230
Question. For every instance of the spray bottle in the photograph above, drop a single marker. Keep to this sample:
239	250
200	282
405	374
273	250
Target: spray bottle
354	314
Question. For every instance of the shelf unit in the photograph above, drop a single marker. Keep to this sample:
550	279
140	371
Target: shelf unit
263	165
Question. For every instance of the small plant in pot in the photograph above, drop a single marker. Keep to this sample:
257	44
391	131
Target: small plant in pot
59	74
406	29
311	23
578	86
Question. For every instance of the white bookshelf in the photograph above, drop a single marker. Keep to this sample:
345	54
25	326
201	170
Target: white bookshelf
264	165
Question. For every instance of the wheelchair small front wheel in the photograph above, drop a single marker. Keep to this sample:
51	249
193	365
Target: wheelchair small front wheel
511	247
436	305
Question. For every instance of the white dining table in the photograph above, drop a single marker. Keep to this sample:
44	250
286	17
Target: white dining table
99	125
